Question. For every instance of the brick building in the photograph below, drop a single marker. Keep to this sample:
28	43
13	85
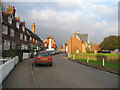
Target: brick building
77	43
49	43
15	35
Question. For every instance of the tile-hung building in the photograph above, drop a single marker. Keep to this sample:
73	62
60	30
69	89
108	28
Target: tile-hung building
15	35
77	43
49	44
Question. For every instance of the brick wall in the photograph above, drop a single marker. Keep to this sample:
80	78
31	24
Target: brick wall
74	44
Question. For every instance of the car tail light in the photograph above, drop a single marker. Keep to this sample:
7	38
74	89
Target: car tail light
37	58
49	58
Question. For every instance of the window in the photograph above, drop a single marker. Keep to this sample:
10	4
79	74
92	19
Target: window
11	32
13	45
36	41
45	45
30	38
21	36
28	33
6	45
17	24
33	39
23	28
5	29
25	38
10	19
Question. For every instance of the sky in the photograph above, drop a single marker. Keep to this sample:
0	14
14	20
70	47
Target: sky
62	19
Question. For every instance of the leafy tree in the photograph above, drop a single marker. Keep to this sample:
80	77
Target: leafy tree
110	43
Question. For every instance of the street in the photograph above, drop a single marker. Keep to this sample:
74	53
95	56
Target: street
63	74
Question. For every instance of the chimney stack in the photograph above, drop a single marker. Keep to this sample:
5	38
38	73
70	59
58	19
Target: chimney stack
75	34
33	27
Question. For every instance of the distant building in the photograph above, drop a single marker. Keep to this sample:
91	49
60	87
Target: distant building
49	44
95	47
77	43
61	48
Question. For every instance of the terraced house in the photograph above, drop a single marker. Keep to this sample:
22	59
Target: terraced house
16	36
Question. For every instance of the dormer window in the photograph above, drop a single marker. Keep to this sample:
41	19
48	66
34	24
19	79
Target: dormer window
10	19
23	28
17	24
28	32
36	41
30	38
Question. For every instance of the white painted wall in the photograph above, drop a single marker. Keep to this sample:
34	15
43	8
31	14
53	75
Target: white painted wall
50	44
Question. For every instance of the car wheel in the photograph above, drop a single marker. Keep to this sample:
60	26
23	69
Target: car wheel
50	64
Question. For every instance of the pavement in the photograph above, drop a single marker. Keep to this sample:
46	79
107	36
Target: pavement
63	74
21	76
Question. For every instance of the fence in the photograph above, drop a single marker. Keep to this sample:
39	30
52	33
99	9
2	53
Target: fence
7	67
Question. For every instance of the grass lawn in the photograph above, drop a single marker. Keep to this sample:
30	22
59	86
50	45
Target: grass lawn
109	65
99	54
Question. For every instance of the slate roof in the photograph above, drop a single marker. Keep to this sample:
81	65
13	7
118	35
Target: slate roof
83	37
33	35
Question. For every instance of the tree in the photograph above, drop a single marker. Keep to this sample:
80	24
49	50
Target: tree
110	43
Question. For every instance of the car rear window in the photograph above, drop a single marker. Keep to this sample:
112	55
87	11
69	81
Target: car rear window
43	55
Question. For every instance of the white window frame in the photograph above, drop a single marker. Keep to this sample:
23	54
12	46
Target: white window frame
21	36
13	45
45	44
11	32
10	19
5	29
36	40
17	24
25	37
30	38
23	28
33	39
6	45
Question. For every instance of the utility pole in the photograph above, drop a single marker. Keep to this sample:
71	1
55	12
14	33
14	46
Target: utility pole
0	29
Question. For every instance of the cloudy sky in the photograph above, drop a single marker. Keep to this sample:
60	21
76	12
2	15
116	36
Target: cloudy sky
62	19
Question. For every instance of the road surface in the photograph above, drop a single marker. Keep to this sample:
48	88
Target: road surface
67	74
63	74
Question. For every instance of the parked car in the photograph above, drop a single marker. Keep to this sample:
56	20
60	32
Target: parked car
103	51
43	57
61	51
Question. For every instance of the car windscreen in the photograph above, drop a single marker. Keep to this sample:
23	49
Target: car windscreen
43	55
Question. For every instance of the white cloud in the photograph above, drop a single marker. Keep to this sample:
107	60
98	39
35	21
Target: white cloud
98	20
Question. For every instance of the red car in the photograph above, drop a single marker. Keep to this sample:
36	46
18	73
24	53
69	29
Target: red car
43	57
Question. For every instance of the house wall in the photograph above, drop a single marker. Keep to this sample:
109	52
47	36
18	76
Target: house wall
47	41
0	31
84	47
74	44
